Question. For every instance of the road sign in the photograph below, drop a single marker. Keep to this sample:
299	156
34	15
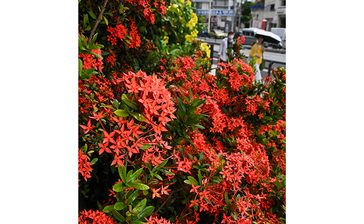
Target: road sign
215	12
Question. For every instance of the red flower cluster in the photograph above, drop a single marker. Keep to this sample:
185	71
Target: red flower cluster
158	107
135	38
239	74
84	165
146	7
94	217
240	40
155	220
91	61
116	33
111	58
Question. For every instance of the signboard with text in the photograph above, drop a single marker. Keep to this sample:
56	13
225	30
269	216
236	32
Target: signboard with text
215	12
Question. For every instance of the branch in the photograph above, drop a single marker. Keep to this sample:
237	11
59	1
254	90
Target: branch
98	21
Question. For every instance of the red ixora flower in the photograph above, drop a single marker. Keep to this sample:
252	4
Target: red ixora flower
91	61
116	33
95	217
84	165
135	38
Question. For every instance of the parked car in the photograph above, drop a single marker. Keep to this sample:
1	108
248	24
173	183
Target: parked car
204	34
281	32
218	34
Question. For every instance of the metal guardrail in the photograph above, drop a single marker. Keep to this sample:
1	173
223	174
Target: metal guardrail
270	62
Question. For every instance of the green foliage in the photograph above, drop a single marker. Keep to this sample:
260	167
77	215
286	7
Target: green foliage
187	119
246	12
131	206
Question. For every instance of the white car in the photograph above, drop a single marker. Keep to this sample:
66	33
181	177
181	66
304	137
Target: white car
219	34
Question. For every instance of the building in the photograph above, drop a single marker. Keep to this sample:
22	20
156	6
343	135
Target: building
268	14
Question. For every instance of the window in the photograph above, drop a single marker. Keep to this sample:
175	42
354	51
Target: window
272	7
283	3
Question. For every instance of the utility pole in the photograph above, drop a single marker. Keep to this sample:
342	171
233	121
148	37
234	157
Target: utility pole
209	18
234	17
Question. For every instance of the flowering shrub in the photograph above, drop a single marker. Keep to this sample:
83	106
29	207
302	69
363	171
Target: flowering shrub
162	140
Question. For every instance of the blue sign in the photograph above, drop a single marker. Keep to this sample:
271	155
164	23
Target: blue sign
215	12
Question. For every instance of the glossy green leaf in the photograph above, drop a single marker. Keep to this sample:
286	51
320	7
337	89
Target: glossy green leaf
158	176
94	161
122	173
121	113
193	180
128	102
187	182
135	175
140	186
146	212
118	216
132	197
119	206
138	208
117	187
108	208
145	147
106	21
138	116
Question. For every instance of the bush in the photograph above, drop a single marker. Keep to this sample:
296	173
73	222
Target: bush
161	140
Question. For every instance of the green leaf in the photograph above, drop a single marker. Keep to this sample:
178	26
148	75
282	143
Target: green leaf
118	216
146	212
117	187
116	103
138	208
199	175
227	201
119	206
138	116
199	126
135	175
158	176
187	182
181	105
145	147
121	113
108	208
132	197
130	172
106	21
92	14
128	102
160	165
80	65
234	216
94	161
85	20
193	180
140	186
122	173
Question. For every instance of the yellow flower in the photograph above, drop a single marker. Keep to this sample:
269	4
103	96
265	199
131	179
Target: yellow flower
165	39
193	21
181	1
194	33
175	6
189	38
188	3
205	48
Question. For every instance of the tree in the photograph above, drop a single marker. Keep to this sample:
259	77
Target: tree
246	13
